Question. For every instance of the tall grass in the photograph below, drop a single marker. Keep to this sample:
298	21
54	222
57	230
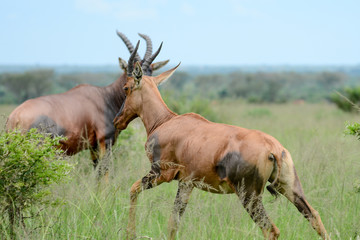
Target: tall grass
327	162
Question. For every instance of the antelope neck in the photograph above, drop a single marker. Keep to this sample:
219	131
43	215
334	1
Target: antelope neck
154	112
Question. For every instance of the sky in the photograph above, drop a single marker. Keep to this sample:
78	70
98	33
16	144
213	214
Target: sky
226	32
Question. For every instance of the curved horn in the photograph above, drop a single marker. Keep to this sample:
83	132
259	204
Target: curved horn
146	64
131	60
148	46
128	44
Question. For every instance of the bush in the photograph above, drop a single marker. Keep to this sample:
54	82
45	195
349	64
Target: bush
353	129
347	99
182	103
29	163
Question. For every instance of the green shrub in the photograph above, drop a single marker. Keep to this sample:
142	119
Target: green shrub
182	103
29	163
347	99
353	129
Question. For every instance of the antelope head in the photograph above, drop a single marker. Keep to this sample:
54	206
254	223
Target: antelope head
138	88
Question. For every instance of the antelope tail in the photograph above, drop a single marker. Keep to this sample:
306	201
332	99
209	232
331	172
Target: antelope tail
277	167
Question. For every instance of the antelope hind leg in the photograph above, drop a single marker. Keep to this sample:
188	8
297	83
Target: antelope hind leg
104	157
100	155
254	206
290	186
94	157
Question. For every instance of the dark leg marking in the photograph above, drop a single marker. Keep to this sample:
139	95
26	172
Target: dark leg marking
240	172
154	152
45	124
299	198
301	204
248	185
148	179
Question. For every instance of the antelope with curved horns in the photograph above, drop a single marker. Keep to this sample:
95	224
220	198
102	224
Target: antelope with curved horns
147	65
84	114
214	157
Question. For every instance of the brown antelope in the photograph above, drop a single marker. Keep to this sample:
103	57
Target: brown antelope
84	114
214	157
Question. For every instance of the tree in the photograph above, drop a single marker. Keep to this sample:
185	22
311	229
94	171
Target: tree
29	164
28	84
347	99
331	80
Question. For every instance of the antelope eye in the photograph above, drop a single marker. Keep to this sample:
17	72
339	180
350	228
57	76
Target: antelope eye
126	88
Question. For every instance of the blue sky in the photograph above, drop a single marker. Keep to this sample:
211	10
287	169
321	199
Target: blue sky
227	32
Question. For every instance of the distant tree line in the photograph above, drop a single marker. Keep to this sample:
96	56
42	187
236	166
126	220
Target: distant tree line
272	87
260	87
16	88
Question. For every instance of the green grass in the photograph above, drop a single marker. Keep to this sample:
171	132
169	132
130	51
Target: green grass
327	162
5	110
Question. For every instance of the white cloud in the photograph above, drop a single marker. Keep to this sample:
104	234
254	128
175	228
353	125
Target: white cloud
187	9
121	10
93	6
240	10
12	16
135	13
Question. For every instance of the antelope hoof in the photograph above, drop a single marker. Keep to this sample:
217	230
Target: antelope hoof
130	235
273	234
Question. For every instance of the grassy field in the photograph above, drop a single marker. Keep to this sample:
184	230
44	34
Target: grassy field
327	162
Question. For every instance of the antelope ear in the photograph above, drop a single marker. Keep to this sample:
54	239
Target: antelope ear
123	65
165	75
157	65
137	73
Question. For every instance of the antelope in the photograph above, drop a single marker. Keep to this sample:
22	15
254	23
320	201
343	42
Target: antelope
214	157
85	113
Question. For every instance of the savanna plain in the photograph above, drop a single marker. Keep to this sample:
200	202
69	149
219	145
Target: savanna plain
327	162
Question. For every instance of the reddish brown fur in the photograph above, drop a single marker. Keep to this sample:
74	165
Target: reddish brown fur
192	150
196	161
81	111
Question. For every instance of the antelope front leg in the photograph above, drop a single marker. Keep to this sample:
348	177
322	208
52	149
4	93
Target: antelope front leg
181	200
134	192
149	181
